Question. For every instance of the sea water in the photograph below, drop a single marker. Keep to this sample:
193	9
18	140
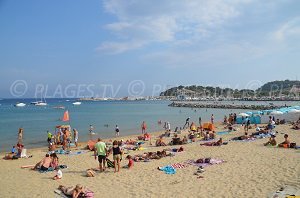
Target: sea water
103	115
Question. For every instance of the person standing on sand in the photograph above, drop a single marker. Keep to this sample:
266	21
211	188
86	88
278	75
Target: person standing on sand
75	132
187	122
212	118
100	150
200	121
144	127
117	155
117	131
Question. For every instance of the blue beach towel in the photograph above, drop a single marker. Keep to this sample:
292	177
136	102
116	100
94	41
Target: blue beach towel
168	170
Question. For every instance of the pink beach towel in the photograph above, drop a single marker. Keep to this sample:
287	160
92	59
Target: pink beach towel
179	165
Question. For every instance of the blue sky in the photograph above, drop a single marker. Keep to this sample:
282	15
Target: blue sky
116	43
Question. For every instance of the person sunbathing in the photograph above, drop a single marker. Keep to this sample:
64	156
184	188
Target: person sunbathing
212	135
72	191
271	141
243	137
176	140
286	142
44	164
160	142
217	143
296	126
177	149
130	141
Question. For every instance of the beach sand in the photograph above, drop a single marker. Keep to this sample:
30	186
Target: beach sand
251	170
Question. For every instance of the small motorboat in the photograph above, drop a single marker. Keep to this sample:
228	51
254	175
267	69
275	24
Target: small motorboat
20	104
76	103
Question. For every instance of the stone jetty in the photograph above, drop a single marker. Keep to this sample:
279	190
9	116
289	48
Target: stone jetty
224	106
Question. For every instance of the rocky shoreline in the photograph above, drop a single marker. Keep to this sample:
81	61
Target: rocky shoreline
224	106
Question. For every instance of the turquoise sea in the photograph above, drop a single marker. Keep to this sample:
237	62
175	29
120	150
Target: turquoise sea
128	115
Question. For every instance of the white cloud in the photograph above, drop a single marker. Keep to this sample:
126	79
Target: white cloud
165	21
289	29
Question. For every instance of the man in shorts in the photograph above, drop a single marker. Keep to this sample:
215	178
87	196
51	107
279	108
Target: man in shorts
100	151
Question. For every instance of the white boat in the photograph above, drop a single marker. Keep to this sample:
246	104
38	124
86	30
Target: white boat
40	104
20	104
76	103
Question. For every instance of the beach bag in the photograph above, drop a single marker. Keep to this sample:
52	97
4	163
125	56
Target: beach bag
110	164
293	145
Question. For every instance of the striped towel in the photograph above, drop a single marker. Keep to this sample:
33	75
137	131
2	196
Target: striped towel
179	165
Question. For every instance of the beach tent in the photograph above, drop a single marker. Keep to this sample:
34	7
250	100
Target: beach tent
253	120
208	126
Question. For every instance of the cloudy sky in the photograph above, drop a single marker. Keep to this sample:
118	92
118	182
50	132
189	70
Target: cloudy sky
140	47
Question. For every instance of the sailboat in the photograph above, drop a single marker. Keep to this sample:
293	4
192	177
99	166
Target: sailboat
40	103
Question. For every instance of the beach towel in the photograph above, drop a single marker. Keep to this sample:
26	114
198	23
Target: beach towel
71	153
211	162
179	165
50	169
60	194
246	140
168	170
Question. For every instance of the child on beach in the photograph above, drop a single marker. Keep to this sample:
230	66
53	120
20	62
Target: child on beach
130	162
58	174
271	141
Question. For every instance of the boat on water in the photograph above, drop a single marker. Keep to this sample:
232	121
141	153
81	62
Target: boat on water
20	104
76	103
40	104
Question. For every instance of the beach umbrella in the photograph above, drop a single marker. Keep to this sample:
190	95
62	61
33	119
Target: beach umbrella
276	113
294	111
243	114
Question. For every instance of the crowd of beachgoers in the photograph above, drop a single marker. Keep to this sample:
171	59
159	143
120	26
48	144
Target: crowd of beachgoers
204	133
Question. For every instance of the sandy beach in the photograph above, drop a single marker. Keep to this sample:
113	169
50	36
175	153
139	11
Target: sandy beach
250	170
